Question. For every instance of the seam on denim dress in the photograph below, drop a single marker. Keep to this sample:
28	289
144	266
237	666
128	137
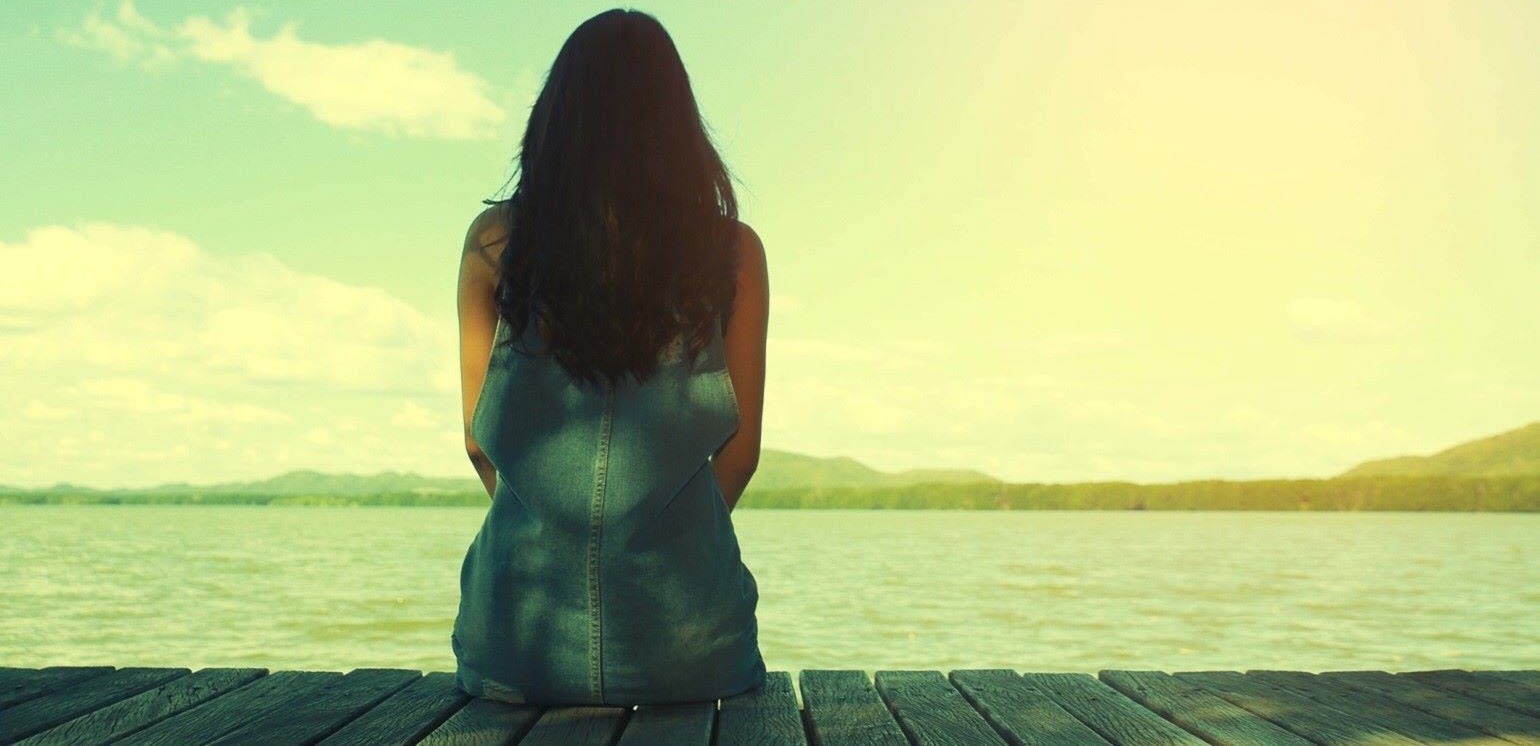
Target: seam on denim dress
595	536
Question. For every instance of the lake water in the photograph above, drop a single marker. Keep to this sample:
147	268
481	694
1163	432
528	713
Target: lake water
340	588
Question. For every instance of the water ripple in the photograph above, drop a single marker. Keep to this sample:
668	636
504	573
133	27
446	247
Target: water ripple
341	588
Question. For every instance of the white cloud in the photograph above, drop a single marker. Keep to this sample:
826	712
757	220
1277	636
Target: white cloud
1331	319
37	410
374	85
1061	405
132	38
138	299
892	404
415	416
130	356
126	346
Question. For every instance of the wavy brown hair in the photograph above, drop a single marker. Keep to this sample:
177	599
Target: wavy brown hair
623	221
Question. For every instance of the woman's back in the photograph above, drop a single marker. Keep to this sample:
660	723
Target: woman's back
611	436
607	570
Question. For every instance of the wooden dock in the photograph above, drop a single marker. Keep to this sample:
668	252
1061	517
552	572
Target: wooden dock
91	705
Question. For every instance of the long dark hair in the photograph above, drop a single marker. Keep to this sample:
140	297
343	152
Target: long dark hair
622	224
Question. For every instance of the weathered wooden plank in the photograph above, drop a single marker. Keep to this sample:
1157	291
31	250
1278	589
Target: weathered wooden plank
932	711
843	708
1022	715
1481	715
1215	719
41	713
138	711
685	723
42	681
767	715
484	722
316	713
1370	706
1511	694
585	725
90	705
1116	717
1528	678
1302	715
9	675
406	716
216	717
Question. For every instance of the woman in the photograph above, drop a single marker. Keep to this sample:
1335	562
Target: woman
613	314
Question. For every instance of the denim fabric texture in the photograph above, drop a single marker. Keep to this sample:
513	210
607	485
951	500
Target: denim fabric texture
606	571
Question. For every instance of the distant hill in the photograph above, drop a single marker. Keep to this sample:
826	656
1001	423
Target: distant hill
309	482
1513	453
797	481
787	470
1500	473
777	470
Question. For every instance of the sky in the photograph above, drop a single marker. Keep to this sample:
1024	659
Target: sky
1053	241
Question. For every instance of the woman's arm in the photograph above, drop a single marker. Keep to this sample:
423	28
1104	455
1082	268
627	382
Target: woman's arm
735	462
478	322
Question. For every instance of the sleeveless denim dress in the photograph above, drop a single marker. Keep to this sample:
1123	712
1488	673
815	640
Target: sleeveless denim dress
607	571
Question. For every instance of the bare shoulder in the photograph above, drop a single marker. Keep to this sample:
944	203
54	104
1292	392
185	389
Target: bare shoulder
488	234
751	252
